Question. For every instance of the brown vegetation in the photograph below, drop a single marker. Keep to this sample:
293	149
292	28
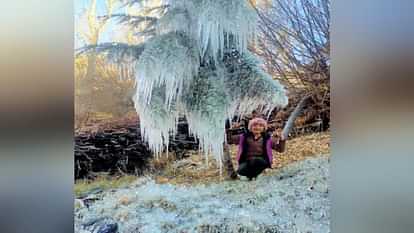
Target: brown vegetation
194	169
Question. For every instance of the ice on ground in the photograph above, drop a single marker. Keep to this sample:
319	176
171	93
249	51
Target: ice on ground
294	199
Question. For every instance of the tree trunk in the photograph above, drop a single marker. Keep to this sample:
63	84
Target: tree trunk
293	116
228	165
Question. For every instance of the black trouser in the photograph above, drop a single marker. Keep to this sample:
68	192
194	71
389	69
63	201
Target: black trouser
252	167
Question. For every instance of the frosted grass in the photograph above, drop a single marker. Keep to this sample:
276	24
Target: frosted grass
293	200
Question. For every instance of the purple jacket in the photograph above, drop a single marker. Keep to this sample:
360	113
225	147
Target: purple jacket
271	143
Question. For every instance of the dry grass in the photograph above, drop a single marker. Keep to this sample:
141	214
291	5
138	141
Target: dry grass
302	147
103	182
194	170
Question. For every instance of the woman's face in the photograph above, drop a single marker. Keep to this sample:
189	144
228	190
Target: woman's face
258	128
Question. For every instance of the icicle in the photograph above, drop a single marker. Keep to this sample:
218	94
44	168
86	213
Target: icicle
206	110
156	121
169	60
252	88
218	18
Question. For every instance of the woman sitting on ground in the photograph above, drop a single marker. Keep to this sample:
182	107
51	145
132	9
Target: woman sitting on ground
255	148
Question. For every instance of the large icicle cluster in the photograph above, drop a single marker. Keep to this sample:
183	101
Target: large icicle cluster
206	104
220	20
198	66
157	119
213	22
251	87
169	59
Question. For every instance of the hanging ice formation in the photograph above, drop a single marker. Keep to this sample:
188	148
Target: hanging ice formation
251	87
206	104
198	66
157	119
170	59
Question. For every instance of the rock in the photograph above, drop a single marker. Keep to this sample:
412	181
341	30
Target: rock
89	200
108	228
101	225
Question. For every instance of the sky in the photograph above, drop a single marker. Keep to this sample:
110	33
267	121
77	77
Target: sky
79	7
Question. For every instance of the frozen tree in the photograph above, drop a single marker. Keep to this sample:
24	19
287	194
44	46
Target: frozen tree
195	62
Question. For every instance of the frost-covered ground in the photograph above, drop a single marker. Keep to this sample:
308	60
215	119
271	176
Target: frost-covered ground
294	199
